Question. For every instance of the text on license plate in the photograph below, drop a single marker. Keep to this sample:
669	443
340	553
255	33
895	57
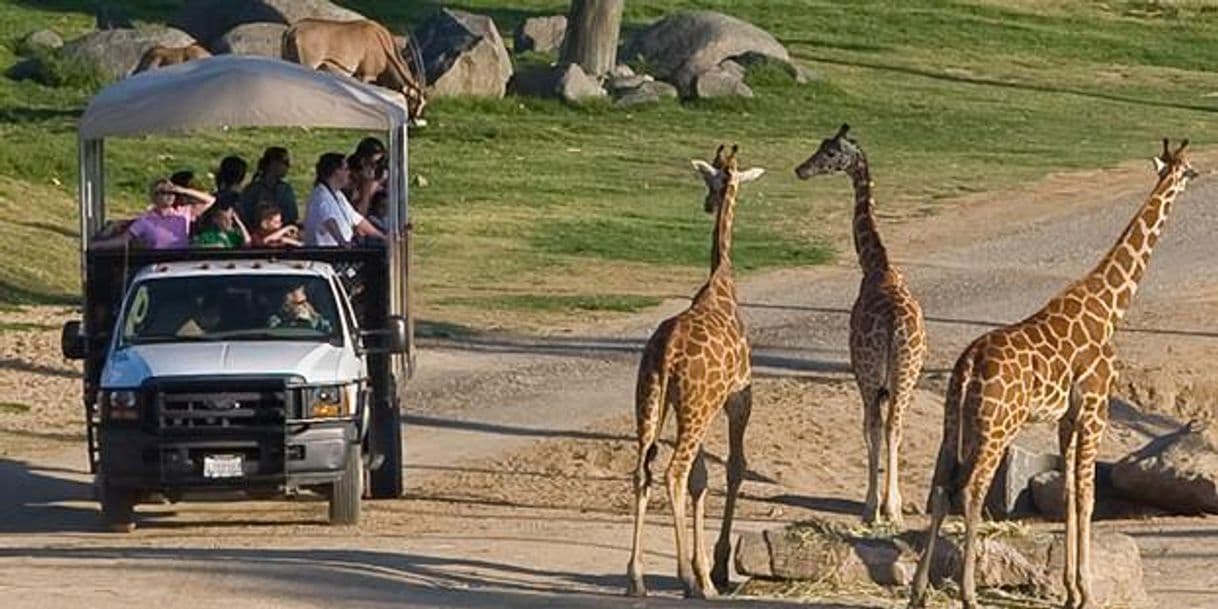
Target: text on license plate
222	466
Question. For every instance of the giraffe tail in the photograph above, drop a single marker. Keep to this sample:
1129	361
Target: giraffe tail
948	463
651	402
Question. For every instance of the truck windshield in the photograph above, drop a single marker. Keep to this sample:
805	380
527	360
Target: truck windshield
231	307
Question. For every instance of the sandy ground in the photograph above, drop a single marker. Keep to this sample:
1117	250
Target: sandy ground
519	448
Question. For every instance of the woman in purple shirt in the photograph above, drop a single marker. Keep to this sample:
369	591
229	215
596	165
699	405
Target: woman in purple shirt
163	226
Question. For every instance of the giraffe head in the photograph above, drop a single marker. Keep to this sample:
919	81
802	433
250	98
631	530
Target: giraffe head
721	173
838	153
1174	164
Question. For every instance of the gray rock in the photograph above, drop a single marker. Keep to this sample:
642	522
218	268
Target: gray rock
683	45
540	34
1030	563
117	52
574	85
463	54
1010	495
265	39
620	83
721	81
621	70
651	91
39	40
1177	472
210	19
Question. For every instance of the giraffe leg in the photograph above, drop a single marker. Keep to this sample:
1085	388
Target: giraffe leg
677	478
697	492
921	584
642	493
1068	439
977	485
651	411
739	407
892	490
873	433
1090	433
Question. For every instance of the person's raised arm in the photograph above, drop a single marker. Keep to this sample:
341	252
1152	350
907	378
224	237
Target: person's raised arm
202	199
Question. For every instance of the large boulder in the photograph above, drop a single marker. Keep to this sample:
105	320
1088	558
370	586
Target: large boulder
116	52
723	80
210	19
265	39
1027	562
1177	472
569	83
1010	495
463	54
1048	493
683	45
540	34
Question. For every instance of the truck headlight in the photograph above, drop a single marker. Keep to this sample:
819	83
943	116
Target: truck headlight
121	404
333	401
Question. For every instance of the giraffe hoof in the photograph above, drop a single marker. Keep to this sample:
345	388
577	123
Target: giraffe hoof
636	589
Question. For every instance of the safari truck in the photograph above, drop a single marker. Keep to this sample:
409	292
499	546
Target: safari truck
242	373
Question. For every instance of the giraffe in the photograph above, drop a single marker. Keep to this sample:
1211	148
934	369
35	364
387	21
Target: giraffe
696	364
887	333
1056	365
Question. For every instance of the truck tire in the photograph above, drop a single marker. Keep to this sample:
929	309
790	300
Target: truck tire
387	428
117	507
347	493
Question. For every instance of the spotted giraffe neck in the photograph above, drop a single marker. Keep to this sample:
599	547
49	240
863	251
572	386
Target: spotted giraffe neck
1122	268
872	255
721	246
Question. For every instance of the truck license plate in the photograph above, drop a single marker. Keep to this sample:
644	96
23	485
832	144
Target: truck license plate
222	466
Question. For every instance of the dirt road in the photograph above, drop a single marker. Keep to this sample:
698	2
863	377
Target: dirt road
518	448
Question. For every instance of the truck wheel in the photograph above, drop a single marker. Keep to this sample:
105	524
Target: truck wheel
347	492
118	507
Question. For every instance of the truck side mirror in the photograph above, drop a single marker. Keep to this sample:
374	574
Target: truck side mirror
394	338
397	339
72	342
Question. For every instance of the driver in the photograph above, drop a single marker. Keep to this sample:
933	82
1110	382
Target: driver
297	312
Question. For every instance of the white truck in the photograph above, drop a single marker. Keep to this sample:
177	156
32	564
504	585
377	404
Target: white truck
268	372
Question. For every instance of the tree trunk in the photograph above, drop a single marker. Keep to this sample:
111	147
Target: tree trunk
593	28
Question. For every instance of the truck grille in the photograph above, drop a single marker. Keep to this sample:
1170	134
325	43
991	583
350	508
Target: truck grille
222	405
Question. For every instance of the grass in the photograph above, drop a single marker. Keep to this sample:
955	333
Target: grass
531	205
21	326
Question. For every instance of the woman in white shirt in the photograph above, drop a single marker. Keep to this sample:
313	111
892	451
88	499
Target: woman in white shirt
331	220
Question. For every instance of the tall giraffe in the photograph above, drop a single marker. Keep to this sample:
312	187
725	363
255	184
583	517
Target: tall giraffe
887	334
696	364
1057	365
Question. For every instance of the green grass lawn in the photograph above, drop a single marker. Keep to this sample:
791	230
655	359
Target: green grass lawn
535	211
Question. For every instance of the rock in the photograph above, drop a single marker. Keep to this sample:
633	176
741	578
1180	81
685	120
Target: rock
683	45
540	34
724	80
651	91
569	83
265	39
210	19
574	85
1116	571
39	41
1029	563
117	52
1009	494
620	83
1048	497
463	54
621	70
1177	472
